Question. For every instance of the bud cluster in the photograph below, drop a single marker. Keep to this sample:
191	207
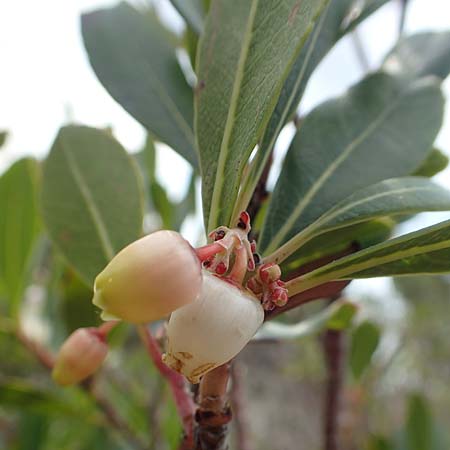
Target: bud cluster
268	287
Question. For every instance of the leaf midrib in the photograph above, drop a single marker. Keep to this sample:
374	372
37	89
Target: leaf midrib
290	222
343	210
249	183
96	217
224	147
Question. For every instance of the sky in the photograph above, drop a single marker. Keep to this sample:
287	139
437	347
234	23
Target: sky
46	80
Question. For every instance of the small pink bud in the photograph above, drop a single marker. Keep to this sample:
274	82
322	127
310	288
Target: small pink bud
279	297
269	273
80	356
149	279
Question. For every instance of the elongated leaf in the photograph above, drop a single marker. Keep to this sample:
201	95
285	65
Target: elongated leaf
419	424
365	339
363	235
436	162
192	11
397	196
338	18
379	129
245	55
419	55
33	431
19	226
426	251
336	316
92	198
132	57
22	395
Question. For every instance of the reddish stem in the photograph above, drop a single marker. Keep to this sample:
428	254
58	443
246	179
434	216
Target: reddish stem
183	400
208	251
334	359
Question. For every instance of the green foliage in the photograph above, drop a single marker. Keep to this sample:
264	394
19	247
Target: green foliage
231	112
365	339
419	424
435	163
19	227
3	138
420	55
407	195
91	198
131	55
379	129
425	251
193	12
332	25
338	316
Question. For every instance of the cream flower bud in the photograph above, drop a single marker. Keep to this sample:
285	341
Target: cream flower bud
212	330
149	279
80	356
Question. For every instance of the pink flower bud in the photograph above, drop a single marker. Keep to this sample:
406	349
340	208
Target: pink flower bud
149	279
80	356
279	297
269	273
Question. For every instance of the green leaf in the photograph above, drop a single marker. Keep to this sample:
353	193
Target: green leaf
3	137
337	316
244	58
363	234
22	395
132	57
379	129
365	339
162	204
33	431
419	424
420	55
333	24
192	11
426	251
92	198
380	443
76	305
19	227
435	162
397	196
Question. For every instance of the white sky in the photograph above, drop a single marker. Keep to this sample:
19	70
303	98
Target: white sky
46	78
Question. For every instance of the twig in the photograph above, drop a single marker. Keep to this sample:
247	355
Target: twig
46	359
213	413
238	407
333	352
40	353
183	400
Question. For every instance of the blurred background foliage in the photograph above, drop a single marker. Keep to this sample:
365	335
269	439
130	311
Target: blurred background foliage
396	352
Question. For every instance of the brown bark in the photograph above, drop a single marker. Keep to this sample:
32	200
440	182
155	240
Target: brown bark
213	413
